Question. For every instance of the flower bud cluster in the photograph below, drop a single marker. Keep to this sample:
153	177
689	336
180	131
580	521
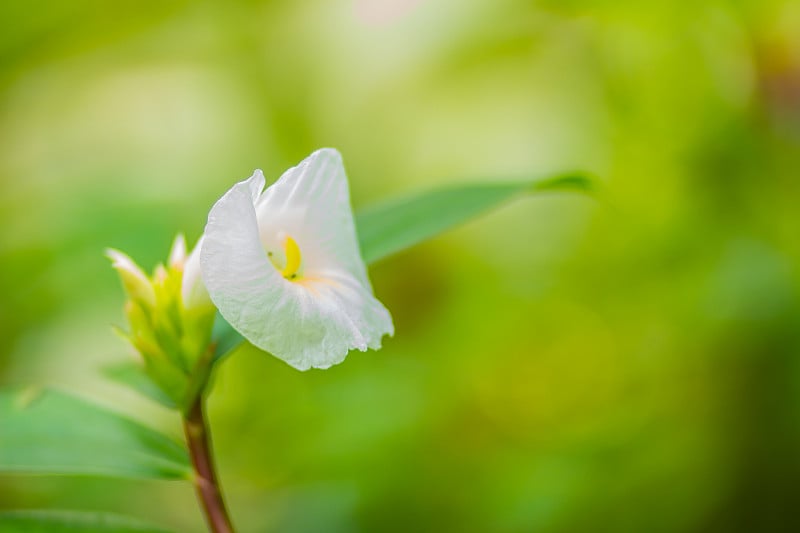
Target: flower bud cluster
170	331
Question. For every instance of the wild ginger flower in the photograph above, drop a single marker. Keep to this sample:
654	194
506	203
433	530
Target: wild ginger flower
282	265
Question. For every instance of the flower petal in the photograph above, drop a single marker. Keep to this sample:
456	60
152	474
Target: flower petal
177	255
330	309
232	261
311	202
193	290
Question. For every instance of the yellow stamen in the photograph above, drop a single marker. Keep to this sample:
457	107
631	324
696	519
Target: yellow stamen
293	258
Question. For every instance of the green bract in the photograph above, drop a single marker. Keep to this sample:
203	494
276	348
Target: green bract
172	333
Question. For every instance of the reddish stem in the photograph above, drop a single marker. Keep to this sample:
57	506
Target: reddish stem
195	428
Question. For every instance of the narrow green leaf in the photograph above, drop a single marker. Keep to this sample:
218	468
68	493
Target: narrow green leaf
50	432
395	225
48	521
132	374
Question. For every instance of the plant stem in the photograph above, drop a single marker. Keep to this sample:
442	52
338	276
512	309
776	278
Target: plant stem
195	427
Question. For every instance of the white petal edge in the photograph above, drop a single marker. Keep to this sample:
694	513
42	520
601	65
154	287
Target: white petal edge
193	290
177	254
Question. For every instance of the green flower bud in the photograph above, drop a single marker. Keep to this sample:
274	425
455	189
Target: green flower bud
135	282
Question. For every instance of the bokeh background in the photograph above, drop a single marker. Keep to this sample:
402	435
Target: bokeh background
625	364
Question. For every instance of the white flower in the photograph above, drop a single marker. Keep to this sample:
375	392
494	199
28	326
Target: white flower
283	266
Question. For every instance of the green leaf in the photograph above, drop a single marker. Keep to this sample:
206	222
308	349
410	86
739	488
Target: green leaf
132	374
47	521
225	336
393	226
50	432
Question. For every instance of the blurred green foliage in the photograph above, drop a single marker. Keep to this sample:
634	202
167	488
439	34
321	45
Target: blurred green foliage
564	364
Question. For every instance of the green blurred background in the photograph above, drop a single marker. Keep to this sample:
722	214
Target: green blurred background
625	364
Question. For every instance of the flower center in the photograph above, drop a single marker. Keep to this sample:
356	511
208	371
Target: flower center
290	269
293	258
